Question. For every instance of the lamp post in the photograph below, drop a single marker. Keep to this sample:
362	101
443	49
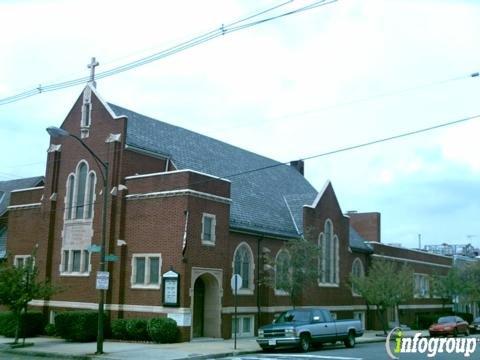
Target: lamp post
103	165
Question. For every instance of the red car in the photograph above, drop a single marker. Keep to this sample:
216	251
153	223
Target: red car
449	325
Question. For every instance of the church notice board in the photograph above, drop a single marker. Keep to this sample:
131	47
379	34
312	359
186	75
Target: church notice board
171	288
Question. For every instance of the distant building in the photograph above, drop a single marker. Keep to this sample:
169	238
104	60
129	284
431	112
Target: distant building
6	188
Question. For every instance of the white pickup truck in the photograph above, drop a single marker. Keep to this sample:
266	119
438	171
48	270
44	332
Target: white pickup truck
306	327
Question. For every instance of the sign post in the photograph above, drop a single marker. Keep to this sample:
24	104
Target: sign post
236	284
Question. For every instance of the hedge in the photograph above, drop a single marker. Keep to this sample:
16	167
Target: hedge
119	329
137	329
163	330
78	326
32	324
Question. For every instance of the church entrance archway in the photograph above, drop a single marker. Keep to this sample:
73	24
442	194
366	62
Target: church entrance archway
206	307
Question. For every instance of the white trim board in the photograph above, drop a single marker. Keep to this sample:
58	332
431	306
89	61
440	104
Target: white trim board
132	177
114	307
24	206
28	189
181	192
410	260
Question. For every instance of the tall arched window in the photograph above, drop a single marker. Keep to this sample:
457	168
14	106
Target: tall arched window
329	249
69	202
243	265
282	272
80	193
357	272
81	182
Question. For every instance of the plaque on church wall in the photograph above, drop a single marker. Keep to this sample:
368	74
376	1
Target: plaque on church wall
171	287
77	234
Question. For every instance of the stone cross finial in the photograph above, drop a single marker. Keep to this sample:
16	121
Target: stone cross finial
92	66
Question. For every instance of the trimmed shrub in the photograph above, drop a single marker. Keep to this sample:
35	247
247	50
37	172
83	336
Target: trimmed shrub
137	329
119	329
50	330
163	330
78	326
32	324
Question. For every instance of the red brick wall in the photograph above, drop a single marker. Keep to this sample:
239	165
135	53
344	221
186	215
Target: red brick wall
366	224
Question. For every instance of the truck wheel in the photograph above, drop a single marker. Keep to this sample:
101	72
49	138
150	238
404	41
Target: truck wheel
305	343
350	340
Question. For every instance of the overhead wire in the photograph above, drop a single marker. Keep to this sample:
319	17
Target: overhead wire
218	32
323	154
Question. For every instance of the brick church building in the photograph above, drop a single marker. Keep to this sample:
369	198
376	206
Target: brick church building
185	206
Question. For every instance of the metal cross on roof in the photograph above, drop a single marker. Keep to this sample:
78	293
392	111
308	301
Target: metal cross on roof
92	66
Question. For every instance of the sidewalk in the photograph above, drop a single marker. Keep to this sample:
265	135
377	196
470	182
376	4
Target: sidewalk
117	350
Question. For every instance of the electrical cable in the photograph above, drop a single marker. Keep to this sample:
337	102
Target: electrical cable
223	30
328	153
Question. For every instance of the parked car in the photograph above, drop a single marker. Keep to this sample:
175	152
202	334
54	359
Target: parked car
449	325
475	325
306	327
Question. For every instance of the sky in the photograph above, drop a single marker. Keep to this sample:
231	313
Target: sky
342	74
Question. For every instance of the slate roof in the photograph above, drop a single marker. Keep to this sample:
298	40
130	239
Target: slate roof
6	187
258	202
358	243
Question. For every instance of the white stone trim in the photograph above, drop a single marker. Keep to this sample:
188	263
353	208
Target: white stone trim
276	309
181	192
24	206
113	307
410	260
414	250
423	306
105	104
133	177
319	196
28	189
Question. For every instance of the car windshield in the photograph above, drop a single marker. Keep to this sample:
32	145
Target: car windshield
477	320
446	320
293	316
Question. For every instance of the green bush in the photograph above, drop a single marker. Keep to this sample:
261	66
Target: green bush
119	329
137	329
32	324
78	326
163	330
50	330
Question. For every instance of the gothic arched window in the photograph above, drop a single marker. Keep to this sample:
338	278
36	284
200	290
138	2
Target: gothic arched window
243	266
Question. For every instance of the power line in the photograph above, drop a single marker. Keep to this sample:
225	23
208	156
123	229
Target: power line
223	30
328	153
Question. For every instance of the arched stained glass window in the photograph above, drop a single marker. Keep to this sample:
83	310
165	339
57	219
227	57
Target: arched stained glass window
243	265
81	181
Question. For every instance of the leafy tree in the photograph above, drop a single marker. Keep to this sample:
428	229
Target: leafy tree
19	285
446	287
470	282
298	270
386	285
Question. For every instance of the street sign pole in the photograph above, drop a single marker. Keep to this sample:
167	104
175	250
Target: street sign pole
236	319
235	283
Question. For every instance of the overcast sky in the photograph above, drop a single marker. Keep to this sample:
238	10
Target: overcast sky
339	75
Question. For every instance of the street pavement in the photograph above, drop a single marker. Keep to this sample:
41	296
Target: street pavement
363	351
369	346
